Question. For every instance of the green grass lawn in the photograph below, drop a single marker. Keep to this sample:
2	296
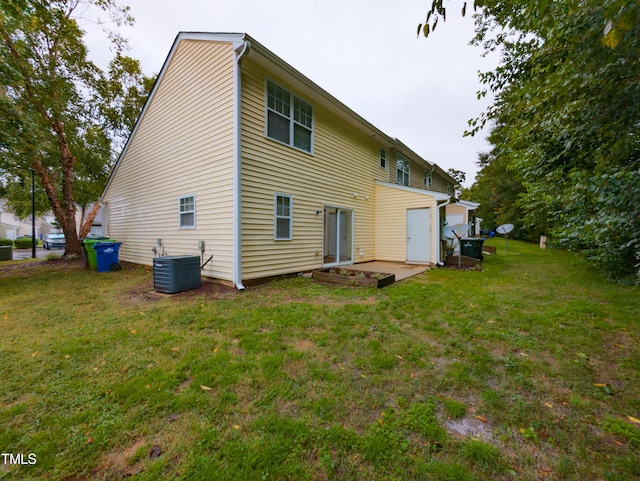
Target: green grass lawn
526	370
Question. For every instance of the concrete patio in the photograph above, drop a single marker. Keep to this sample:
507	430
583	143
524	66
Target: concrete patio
401	271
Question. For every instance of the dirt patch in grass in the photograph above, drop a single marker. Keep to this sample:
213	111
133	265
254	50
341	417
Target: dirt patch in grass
120	461
210	289
305	345
184	385
469	427
61	263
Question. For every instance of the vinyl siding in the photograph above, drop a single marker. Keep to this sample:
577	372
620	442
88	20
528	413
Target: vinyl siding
453	209
439	184
391	220
183	145
416	175
344	162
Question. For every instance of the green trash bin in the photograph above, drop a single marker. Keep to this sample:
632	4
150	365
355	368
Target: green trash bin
90	256
6	253
472	247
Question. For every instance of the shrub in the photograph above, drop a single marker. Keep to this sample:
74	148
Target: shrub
6	242
23	243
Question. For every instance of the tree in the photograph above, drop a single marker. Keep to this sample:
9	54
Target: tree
59	113
537	16
458	175
567	109
497	190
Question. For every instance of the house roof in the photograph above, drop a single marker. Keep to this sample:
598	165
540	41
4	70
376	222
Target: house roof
469	204
273	63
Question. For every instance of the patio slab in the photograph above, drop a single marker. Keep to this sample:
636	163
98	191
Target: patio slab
401	271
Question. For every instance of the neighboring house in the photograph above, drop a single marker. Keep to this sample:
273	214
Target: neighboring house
236	148
96	225
12	227
463	212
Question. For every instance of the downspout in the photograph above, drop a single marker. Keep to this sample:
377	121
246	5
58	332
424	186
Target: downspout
237	167
439	243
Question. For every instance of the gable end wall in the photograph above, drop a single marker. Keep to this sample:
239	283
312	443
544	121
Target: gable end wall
183	145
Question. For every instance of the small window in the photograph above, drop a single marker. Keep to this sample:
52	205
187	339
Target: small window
283	217
187	211
449	189
289	118
383	158
428	180
402	170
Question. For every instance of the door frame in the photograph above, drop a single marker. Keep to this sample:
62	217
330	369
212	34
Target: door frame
338	234
428	237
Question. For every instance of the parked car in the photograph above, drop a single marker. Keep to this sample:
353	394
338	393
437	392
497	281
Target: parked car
54	241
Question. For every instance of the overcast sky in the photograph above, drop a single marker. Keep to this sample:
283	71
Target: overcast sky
364	52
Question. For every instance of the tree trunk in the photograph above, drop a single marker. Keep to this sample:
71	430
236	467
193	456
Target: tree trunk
63	209
69	227
86	225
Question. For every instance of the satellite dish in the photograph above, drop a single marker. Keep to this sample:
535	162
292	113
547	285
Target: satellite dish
456	232
504	229
448	232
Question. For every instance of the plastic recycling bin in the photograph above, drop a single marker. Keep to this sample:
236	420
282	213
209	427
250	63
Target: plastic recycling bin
90	254
107	256
472	247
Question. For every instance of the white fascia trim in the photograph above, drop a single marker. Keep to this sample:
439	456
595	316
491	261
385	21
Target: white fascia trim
468	204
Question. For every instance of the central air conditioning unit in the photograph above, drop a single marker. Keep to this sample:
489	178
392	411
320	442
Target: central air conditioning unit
173	274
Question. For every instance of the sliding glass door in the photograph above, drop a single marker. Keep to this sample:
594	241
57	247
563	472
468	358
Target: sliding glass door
338	236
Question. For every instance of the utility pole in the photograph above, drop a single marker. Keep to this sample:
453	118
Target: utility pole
33	213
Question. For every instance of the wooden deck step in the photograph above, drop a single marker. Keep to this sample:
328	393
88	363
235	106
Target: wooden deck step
465	261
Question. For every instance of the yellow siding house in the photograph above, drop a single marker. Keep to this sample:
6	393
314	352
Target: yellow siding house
463	212
238	150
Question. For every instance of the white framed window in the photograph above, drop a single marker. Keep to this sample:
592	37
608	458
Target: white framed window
383	158
283	217
428	179
449	189
187	211
402	170
289	118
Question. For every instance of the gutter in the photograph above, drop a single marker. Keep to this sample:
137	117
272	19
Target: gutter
439	241
237	165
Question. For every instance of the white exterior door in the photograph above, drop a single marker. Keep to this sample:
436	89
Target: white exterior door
419	235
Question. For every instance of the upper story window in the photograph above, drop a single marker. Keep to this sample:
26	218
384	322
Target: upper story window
383	158
402	170
187	211
449	189
428	180
289	118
